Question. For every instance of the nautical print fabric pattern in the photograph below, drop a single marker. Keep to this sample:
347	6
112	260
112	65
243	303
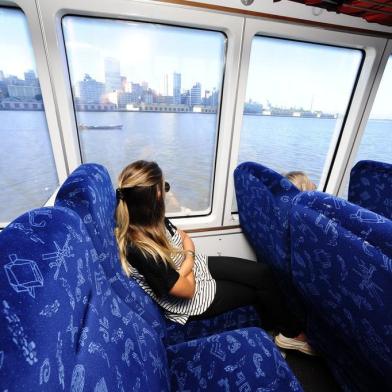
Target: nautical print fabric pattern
371	187
62	328
83	192
342	264
241	360
89	192
264	199
179	309
237	318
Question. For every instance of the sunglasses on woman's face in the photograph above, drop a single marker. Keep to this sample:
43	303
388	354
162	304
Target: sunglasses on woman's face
167	187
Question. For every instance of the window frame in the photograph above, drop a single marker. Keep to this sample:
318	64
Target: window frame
52	12
338	154
341	189
29	10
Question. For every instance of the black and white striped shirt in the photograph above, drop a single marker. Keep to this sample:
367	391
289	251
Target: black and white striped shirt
175	308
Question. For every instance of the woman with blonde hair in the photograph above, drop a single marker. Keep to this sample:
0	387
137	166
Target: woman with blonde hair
301	181
186	284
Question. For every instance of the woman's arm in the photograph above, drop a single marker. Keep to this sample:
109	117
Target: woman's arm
189	248
184	287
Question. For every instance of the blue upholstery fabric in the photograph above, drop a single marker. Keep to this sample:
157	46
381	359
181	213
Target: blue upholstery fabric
371	187
264	199
342	264
61	326
237	318
241	360
89	192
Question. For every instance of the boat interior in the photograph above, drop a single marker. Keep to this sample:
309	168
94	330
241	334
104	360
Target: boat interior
228	97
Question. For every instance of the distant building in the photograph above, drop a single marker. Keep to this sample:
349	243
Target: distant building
196	95
211	98
176	88
112	75
3	89
14	104
23	91
90	90
165	99
166	85
30	78
137	92
124	84
253	107
186	98
148	97
124	99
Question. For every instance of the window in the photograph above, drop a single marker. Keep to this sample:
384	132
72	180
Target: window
149	91
376	143
28	173
296	99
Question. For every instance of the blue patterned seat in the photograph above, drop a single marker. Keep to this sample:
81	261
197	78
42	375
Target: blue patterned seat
61	326
342	265
89	192
371	186
241	360
264	199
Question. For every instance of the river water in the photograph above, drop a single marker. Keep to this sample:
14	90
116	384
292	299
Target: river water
183	144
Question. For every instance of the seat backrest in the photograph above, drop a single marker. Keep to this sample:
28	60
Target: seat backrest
371	186
61	326
342	264
264	200
89	192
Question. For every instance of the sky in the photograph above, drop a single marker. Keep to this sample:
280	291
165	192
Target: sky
285	73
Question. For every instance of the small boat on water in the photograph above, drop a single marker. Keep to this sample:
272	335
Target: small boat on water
84	126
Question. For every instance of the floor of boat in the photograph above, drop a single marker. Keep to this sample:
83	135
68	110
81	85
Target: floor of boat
312	372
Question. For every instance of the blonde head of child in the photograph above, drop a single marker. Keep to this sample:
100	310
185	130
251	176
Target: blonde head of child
301	181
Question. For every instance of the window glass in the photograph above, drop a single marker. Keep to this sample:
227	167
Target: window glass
28	174
296	99
376	143
149	91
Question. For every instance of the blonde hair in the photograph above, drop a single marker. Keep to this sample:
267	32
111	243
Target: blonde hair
301	180
140	213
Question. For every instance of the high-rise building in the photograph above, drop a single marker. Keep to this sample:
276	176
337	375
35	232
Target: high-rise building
90	90
137	92
186	98
166	85
196	94
30	78
176	88
112	75
124	84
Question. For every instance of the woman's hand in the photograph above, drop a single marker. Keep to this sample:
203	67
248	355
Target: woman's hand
187	242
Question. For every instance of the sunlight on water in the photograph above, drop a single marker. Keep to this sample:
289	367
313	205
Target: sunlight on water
182	144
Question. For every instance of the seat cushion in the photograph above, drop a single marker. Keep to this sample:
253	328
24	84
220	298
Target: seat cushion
240	360
61	325
341	258
371	186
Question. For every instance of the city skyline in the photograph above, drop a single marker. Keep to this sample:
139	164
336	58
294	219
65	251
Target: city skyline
262	88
